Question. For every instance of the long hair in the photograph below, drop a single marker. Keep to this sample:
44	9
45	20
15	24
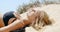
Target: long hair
41	21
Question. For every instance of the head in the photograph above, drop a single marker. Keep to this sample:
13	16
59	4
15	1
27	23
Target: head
41	21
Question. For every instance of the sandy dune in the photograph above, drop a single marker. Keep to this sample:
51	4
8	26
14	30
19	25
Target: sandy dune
53	10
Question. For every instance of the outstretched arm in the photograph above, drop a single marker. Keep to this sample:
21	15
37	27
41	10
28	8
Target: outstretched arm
15	25
19	23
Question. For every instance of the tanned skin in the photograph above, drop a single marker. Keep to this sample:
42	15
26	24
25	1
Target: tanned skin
19	23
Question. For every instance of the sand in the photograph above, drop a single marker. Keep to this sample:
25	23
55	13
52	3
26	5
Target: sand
53	10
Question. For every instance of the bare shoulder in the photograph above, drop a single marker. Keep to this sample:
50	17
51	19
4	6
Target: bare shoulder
1	20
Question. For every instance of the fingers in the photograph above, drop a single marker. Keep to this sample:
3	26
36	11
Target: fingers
17	15
11	20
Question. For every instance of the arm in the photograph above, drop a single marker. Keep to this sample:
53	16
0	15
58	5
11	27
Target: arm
15	25
19	23
1	22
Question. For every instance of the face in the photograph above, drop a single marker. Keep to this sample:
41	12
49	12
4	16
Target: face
41	21
33	14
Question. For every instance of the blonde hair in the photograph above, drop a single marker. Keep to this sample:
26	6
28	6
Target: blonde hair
41	21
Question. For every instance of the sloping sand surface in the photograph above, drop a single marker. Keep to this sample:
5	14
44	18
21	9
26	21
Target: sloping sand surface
53	10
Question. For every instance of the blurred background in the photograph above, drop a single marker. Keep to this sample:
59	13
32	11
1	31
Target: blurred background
14	5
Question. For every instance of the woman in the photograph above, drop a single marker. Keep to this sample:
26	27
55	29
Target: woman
19	22
25	19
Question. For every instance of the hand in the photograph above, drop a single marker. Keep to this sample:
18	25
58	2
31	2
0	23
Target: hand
17	15
11	20
2	30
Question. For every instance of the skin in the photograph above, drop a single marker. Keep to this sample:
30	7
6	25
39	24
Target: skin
10	20
20	22
1	22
